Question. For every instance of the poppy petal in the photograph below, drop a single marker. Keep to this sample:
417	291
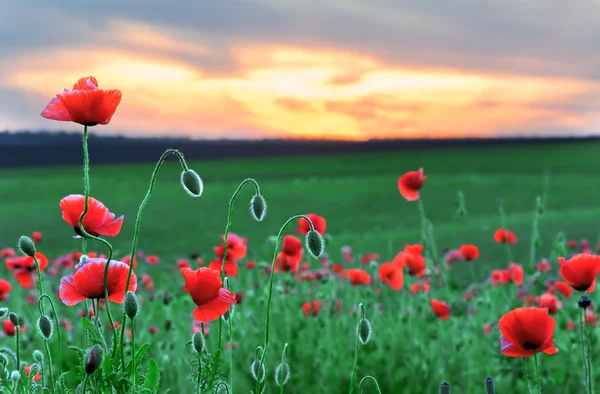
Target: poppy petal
510	349
112	228
67	292
215	308
55	110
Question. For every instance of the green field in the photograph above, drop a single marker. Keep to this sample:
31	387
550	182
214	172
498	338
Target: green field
358	195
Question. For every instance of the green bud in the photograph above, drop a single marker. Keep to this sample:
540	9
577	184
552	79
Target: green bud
364	331
14	319
44	326
258	207
315	244
15	376
38	356
489	386
198	342
258	371
93	359
282	374
192	183
27	246
130	305
83	259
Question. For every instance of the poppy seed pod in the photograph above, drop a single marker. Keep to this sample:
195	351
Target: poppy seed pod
258	207
44	326
198	342
14	319
93	359
258	371
27	246
445	388
192	183
584	301
282	374
130	305
315	243
38	356
364	331
489	386
3	312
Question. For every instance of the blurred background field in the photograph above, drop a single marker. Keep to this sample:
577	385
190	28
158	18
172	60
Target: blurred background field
358	195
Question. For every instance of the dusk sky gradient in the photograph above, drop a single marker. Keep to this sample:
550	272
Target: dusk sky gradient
339	69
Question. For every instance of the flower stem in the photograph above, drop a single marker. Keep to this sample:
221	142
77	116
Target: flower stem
230	352
583	349
133	371
39	276
526	374
374	381
57	329
48	355
199	366
137	232
355	364
537	372
270	296
18	328
589	352
85	379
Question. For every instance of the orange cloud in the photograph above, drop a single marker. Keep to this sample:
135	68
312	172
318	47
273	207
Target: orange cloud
289	91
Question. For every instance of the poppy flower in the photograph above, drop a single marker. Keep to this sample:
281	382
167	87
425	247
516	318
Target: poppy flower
231	267
127	260
236	247
152	259
505	236
347	253
500	277
97	221
563	288
250	264
366	259
440	308
549	300
36	236
580	271
152	329
391	275
543	266
183	263
5	289
487	329
311	308
88	282
358	276
24	268
516	273
287	263
319	223
469	252
410	183
86	104
416	263
571	244
291	245
525	330
205	287
8	328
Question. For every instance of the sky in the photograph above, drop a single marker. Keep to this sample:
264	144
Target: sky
334	69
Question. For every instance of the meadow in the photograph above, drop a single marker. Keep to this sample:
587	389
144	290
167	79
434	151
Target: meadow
411	350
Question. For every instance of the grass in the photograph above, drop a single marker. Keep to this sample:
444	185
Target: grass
357	194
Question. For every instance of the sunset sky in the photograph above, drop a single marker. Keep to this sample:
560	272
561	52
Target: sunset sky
339	69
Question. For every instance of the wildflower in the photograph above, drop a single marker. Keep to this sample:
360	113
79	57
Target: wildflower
391	275
24	268
86	104
152	259
580	271
97	221
564	289
504	236
516	273
369	257
543	266
469	252
205	287
358	276
5	289
319	223
410	183
440	308
37	376
36	236
311	308
525	331
236	247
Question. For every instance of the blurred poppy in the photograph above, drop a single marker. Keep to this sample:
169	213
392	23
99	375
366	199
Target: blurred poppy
152	259
36	236
88	282
86	104
469	252
37	376
410	183
440	308
8	328
24	268
291	245
516	273
319	223
236	247
525	330
391	275
97	221
504	236
5	289
311	308
358	276
231	267
543	266
580	271
564	289
367	258
205	287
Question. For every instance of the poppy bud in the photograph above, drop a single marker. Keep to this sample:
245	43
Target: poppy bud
93	359
38	356
130	305
3	312
44	326
315	243
445	388
14	319
198	341
222	388
27	246
15	376
282	374
258	375
489	386
258	207
192	183
364	331
584	301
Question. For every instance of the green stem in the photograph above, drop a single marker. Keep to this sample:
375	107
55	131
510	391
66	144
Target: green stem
583	349
57	327
589	352
537	372
199	366
374	381
354	365
137	231
133	372
18	351
43	373
230	352
85	380
39	276
49	364
526	374
535	233
86	185
270	296
227	226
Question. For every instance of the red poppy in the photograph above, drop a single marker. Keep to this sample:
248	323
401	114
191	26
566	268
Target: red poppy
24	268
369	257
291	245
440	308
205	287
5	289
410	183
525	330
8	328
250	264
504	236
127	260
37	376
571	244
416	263
97	221
36	236
311	308
516	273
500	277
469	252
487	329
152	259
231	267
152	329
7	253
580	271
183	263
236	247
287	263
391	275
88	282
85	104
543	266
564	288
358	276
319	223
549	300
